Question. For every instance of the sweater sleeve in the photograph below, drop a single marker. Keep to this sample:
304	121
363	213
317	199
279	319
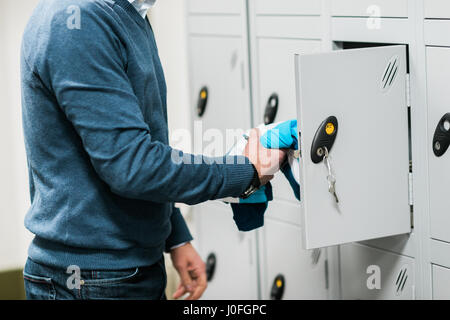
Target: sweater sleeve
86	71
180	232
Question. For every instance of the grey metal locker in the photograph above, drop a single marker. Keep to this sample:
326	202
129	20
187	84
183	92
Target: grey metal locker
219	65
438	77
441	282
364	8
230	255
288	269
365	90
437	9
288	7
368	273
215	6
276	76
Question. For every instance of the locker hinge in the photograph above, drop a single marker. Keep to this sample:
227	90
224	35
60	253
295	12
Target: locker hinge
327	285
411	198
410	187
408	90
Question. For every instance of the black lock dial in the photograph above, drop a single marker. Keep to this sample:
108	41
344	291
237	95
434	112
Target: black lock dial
202	101
441	139
277	288
210	266
324	138
271	109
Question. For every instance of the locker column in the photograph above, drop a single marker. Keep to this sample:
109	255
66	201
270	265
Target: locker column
220	96
437	50
384	268
278	30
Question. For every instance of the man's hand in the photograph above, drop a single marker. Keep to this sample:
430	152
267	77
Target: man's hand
266	161
192	271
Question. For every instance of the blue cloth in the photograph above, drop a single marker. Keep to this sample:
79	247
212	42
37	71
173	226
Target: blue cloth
140	283
103	178
248	214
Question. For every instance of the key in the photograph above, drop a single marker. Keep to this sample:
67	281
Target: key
332	188
330	177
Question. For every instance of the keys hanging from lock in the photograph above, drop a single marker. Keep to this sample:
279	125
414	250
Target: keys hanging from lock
330	177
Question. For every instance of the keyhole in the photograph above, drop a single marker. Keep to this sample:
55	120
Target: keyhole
273	103
437	146
320	152
446	125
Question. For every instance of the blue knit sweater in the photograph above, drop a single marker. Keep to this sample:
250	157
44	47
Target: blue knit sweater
102	179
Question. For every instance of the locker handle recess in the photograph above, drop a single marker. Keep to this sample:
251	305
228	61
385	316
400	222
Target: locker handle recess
277	288
271	109
202	101
441	139
211	262
324	137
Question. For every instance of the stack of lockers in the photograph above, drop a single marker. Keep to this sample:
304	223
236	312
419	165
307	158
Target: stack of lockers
387	235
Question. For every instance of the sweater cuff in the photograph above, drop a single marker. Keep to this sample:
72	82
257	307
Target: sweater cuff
237	177
180	232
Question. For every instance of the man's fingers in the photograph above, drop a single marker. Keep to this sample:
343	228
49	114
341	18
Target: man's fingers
186	280
180	292
200	288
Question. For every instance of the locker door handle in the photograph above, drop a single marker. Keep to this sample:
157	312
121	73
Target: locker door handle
324	137
202	101
441	139
277	288
211	262
271	109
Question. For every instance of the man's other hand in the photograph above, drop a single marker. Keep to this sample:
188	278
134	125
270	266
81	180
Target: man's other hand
192	271
266	161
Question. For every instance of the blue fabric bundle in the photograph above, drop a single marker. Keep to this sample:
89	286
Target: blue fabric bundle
248	214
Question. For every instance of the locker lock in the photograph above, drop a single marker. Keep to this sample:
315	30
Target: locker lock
277	288
324	138
210	266
202	101
271	109
441	139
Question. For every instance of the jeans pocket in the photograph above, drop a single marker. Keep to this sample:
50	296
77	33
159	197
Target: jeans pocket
105	278
39	287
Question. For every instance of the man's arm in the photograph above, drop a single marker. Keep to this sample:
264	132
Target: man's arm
85	69
180	232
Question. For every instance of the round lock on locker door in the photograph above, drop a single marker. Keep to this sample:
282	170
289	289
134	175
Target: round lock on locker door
211	262
202	101
324	138
271	110
278	288
441	138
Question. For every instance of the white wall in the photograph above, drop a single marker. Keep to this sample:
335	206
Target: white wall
169	24
14	197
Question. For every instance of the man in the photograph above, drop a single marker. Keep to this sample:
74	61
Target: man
102	177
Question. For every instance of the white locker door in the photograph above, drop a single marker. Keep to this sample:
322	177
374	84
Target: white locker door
365	89
215	6
276	76
368	273
441	283
229	254
219	64
438	74
302	272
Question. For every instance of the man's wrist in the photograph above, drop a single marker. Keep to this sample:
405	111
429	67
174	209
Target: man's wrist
253	186
179	245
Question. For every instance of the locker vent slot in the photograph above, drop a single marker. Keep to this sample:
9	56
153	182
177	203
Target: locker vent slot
390	73
402	278
315	256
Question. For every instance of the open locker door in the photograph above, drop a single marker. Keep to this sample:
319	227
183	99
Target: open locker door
352	103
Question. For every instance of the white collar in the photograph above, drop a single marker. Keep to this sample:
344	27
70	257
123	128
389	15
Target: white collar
142	6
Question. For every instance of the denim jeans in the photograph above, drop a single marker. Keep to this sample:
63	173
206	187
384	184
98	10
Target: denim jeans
49	283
